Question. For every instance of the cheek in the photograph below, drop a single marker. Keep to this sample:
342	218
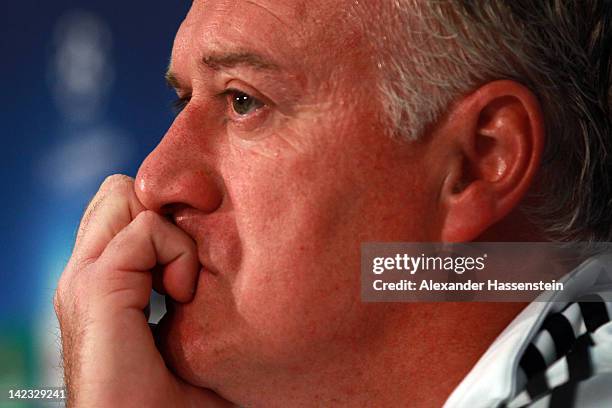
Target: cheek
300	277
295	299
287	288
301	216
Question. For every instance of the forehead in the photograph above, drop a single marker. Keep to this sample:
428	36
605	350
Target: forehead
294	31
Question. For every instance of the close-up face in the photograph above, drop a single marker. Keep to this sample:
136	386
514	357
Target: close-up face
308	203
279	166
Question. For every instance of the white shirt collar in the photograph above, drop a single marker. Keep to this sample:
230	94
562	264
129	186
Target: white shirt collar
493	379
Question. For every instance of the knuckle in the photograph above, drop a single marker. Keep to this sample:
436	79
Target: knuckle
89	211
113	186
117	182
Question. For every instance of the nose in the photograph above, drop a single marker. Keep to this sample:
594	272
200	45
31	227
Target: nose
177	174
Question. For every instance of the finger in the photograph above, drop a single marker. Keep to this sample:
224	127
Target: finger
158	282
149	240
147	310
113	207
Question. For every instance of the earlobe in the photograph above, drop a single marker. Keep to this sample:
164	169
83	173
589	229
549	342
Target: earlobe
495	152
468	211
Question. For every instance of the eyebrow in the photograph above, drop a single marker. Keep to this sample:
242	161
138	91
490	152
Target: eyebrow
218	61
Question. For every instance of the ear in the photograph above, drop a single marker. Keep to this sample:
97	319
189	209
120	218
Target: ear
494	139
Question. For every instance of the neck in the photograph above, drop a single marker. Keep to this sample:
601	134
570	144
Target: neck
415	358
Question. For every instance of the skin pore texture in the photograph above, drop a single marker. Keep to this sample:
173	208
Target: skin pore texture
279	199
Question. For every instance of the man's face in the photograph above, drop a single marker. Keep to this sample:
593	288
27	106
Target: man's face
279	168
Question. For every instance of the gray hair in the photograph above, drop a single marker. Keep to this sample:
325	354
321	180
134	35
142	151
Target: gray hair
559	49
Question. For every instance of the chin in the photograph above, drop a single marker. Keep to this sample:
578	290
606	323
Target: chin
193	348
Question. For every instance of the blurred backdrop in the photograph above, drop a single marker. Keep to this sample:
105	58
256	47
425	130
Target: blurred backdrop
83	96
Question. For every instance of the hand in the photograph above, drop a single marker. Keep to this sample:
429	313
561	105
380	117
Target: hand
110	358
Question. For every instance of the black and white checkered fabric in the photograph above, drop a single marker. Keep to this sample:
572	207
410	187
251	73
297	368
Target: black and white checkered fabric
554	353
569	361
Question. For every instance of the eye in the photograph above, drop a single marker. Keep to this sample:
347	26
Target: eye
243	104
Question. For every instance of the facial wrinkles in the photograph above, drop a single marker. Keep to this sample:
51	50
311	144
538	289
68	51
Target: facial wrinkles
317	104
251	23
279	202
268	9
298	134
330	111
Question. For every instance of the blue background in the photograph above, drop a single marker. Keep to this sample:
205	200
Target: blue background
64	130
